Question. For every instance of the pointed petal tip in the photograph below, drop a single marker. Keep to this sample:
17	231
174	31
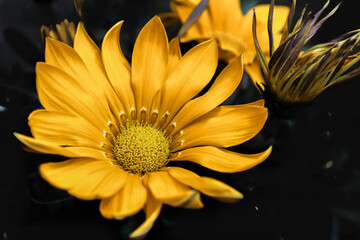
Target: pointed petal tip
231	199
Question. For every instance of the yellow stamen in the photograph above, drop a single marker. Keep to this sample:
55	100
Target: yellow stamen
139	147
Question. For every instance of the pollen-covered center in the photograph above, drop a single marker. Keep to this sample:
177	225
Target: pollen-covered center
139	147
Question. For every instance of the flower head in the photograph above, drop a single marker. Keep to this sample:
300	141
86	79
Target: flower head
125	127
225	22
293	76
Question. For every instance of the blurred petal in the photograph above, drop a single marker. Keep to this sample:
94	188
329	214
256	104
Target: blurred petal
254	71
225	16
280	15
152	210
128	201
221	160
208	186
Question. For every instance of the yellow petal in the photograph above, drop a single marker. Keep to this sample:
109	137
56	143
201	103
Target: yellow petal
168	190
221	160
254	71
128	201
225	15
203	24
85	178
224	85
169	18
65	129
194	202
58	91
173	59
149	63
206	185
224	126
65	58
280	15
117	67
232	46
43	146
262	11
91	55
152	210
192	73
174	54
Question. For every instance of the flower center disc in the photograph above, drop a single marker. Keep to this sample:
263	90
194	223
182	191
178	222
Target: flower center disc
139	147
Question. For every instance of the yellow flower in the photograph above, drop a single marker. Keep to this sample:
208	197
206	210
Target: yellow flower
224	21
125	126
293	76
64	32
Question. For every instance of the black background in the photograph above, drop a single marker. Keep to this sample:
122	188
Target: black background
292	195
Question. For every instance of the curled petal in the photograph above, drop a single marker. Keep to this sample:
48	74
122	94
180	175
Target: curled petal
152	210
221	160
208	186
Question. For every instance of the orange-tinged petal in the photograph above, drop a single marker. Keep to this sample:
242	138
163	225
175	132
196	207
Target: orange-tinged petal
221	160
174	54
117	67
280	15
224	126
58	91
262	11
232	46
66	129
128	201
43	146
192	73
173	59
225	16
91	55
224	85
184	8
194	202
149	63
168	190
152	210
206	185
65	58
85	178
169	18
254	71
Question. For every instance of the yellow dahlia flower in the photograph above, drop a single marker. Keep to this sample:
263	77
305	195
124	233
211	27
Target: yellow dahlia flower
224	21
125	127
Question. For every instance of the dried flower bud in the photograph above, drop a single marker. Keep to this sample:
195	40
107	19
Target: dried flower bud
64	32
293	76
